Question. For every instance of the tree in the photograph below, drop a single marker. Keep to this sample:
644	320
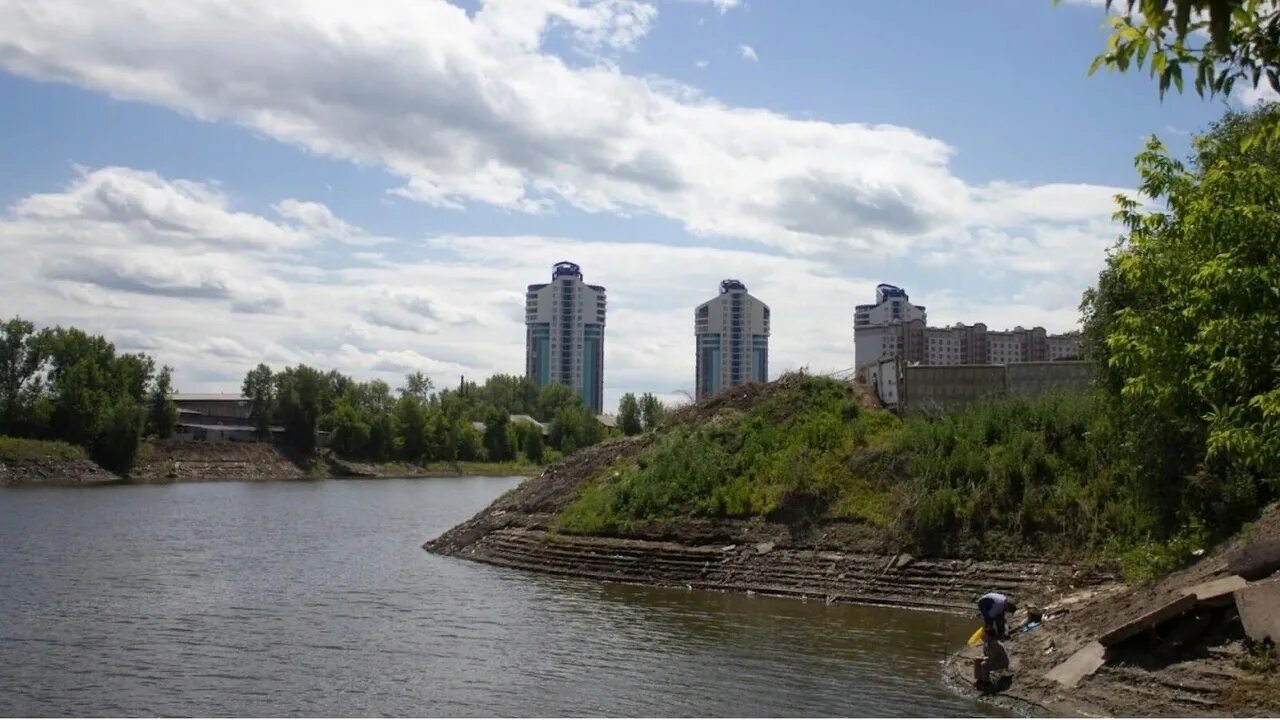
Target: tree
260	388
574	428
498	442
21	355
1221	41
652	411
530	441
410	427
418	385
349	432
115	444
1185	325
162	412
629	415
302	398
555	397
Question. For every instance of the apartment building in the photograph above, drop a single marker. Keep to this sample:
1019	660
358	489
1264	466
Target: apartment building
731	340
564	334
893	327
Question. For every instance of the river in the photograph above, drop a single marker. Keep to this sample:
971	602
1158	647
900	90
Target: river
316	599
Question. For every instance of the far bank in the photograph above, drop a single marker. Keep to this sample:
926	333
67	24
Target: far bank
39	462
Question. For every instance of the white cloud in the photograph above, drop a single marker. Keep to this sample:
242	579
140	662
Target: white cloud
458	310
723	6
748	53
474	108
1254	95
702	64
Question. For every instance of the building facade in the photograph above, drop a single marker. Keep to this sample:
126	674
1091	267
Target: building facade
564	334
894	328
731	340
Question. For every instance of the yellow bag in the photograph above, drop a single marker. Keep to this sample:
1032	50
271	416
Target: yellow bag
976	638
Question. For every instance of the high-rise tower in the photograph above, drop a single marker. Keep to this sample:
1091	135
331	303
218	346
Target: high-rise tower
732	340
564	334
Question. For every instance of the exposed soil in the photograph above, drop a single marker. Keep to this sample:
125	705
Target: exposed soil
191	461
41	471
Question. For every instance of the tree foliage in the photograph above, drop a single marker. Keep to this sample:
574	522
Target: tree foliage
629	415
652	411
1185	325
162	412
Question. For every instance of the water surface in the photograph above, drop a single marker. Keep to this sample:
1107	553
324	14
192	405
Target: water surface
269	599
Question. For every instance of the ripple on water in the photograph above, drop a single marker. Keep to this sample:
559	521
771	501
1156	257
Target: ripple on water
316	599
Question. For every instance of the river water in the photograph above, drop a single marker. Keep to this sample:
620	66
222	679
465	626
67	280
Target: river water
270	599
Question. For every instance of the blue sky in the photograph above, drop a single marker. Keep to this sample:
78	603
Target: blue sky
370	186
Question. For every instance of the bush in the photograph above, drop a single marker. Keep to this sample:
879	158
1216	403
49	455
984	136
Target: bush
116	445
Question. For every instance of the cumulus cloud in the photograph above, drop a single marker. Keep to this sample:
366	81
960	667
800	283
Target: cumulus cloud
473	108
458	309
748	53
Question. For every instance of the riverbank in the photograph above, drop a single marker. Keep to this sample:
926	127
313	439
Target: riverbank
1175	646
42	462
39	462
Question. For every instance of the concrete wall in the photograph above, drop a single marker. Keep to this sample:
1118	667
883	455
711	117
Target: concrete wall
1037	378
938	388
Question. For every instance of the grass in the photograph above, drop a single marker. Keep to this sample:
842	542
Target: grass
15	449
1011	476
789	455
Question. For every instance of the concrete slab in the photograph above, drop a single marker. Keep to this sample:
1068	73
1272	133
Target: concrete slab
1256	561
1147	620
1217	592
1079	666
1259	606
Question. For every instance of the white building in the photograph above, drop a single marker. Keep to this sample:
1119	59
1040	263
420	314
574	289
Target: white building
877	328
564	334
731	340
893	327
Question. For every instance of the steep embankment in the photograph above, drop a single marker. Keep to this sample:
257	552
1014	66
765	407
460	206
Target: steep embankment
189	461
40	462
765	488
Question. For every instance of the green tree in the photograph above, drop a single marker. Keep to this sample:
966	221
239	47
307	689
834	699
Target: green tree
574	428
530	436
470	445
629	415
260	388
349	431
498	441
118	435
410	427
652	410
418	385
1185	325
162	412
301	398
1219	42
21	355
556	397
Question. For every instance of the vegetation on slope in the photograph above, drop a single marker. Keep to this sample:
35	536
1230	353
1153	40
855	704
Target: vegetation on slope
14	449
1178	446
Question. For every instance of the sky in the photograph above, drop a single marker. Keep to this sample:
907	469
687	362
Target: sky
371	186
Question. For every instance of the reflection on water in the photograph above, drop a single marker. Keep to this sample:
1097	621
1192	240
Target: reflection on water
316	599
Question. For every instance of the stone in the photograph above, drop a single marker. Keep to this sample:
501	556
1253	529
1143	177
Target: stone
1256	561
1079	666
764	547
1217	592
1259	606
1148	620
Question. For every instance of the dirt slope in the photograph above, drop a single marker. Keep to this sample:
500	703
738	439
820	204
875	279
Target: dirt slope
175	460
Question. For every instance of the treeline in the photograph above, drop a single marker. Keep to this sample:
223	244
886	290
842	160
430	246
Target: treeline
64	384
418	423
